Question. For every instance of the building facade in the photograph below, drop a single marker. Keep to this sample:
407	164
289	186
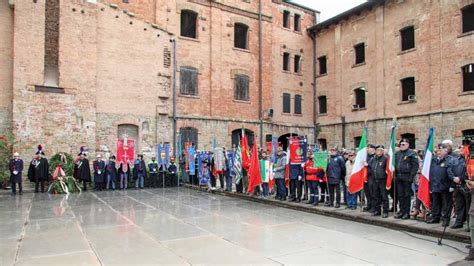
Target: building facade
410	60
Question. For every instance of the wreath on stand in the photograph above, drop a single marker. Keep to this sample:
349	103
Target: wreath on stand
63	182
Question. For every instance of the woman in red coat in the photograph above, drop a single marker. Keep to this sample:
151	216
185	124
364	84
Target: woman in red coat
313	176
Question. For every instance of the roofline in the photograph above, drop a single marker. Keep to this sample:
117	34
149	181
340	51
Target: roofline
301	6
346	14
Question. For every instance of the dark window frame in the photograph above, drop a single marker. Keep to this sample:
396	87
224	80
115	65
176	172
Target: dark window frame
286	19
359	53
188	74
408	86
286	103
297	22
322	63
297	64
322	105
188	24
286	61
241	87
241	36
468	78
298	105
467	17
407	38
360	97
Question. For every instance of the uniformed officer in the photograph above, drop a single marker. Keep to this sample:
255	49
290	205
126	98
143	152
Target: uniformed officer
16	169
38	172
99	173
461	194
378	171
441	176
153	169
406	167
369	185
335	172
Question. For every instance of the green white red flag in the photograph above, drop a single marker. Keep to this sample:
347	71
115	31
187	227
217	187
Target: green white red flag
424	183
390	167
359	170
238	165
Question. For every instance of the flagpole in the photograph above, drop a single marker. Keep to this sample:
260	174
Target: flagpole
394	179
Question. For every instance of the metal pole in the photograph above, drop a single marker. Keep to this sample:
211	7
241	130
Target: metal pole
260	82
174	97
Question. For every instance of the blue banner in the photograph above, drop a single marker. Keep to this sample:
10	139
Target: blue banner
274	149
191	156
204	171
230	163
163	154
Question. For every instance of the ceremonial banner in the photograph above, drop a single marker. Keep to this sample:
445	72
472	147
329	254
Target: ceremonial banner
245	152
255	178
219	160
200	159
238	165
359	170
274	149
265	170
424	182
187	145
163	154
125	151
298	148
191	156
390	167
230	163
320	160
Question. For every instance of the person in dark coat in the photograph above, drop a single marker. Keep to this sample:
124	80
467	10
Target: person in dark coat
441	176
111	173
82	171
335	172
377	167
370	183
16	170
172	171
139	172
406	168
99	173
462	197
38	171
296	184
153	169
124	174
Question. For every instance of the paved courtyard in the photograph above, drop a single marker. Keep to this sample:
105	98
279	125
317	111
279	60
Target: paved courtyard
184	226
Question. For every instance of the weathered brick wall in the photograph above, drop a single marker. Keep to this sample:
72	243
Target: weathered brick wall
6	65
435	63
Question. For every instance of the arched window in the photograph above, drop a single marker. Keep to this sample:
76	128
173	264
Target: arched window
241	36
468	77
189	135
411	139
468	18
188	23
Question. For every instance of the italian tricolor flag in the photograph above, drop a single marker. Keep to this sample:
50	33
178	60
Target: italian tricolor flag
390	168
359	170
424	185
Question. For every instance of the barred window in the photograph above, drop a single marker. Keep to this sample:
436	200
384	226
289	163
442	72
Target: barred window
286	103
298	104
241	91
188	81
188	23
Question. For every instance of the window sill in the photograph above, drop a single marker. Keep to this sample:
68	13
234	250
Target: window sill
242	101
406	102
324	114
298	32
322	75
286	71
189	96
407	51
189	39
241	50
358	65
299	115
360	109
298	73
469	33
286	114
466	93
287	29
49	89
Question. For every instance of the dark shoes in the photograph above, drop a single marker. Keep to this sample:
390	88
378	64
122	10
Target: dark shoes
406	216
398	215
337	205
385	215
470	257
433	221
456	226
376	214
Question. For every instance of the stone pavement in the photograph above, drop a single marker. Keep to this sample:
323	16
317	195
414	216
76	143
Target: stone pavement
184	226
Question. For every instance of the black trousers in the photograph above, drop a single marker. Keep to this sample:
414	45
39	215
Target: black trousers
324	192
154	180
240	186
369	198
296	189
337	190
441	205
280	188
463	203
213	181
221	180
38	184
20	187
194	179
403	190
381	195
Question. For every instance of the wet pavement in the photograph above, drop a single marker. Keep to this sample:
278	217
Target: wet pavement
184	226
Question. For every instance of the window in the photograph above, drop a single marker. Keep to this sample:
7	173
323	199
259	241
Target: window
241	88
359	53
357	142
286	19
322	65
297	63
240	36
359	98
323	108
408	89
468	19
468	77
323	144
188	81
297	22
286	61
468	134
407	36
286	103
237	135
189	135
411	139
298	104
188	23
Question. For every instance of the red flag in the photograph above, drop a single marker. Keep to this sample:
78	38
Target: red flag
255	178
245	152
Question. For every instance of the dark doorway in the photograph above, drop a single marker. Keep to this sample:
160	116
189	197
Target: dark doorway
189	134
237	134
283	140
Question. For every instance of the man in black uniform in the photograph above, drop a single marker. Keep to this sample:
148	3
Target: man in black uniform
369	185
378	171
462	196
406	167
16	169
38	171
82	171
153	169
172	171
99	173
441	176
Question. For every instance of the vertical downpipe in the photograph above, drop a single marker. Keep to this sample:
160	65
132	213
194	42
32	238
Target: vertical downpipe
260	81
174	97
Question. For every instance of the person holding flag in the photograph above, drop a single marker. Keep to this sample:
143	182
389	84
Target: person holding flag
406	168
378	166
255	178
313	177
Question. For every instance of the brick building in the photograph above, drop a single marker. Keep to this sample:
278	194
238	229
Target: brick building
82	74
408	59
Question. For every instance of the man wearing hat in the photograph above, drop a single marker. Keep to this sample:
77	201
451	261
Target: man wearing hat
378	171
172	170
99	173
406	168
279	175
82	171
111	173
153	169
369	184
38	171
441	176
139	172
335	172
16	169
